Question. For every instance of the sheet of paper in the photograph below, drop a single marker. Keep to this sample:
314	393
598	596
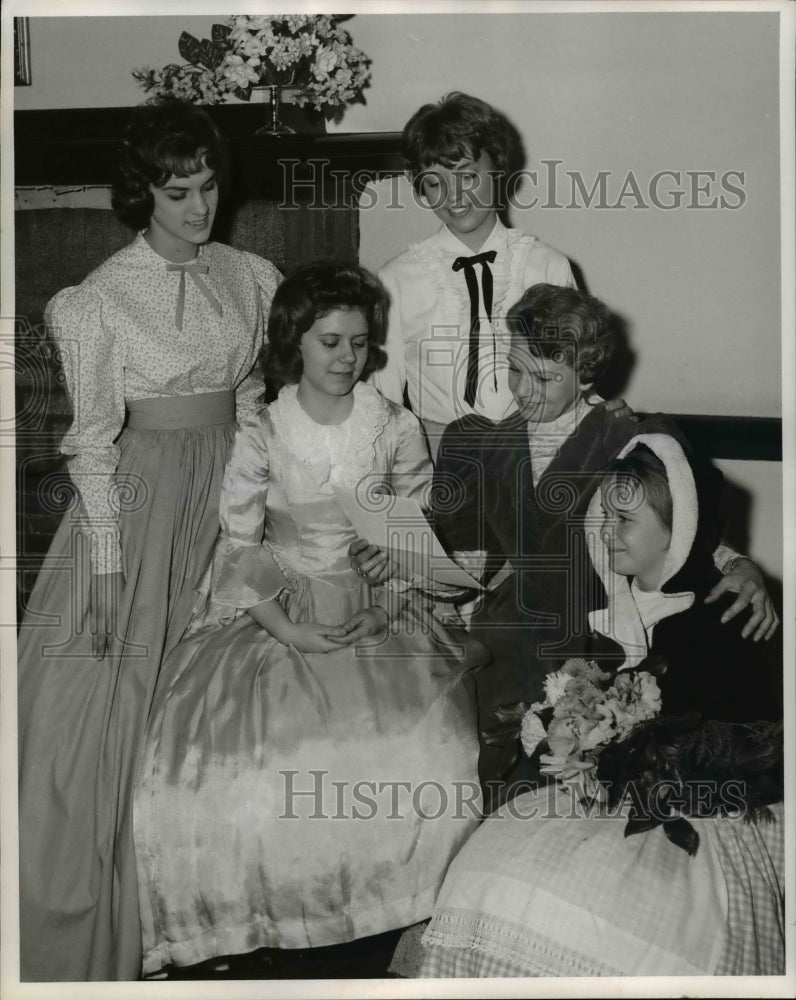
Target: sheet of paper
403	530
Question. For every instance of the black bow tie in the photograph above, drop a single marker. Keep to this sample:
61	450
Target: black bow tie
468	265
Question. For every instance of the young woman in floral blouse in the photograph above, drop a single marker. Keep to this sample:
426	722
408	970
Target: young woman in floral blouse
158	345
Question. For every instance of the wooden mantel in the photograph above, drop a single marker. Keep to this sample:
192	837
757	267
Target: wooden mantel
80	146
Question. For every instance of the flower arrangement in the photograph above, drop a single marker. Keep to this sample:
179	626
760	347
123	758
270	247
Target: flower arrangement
610	732
586	709
310	52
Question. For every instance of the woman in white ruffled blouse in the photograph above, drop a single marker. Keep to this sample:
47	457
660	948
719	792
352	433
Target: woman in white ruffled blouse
310	762
158	345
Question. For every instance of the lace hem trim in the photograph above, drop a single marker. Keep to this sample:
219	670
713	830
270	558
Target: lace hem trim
510	942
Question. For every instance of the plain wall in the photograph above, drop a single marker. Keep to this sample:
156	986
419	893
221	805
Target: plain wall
86	62
622	92
699	288
755	521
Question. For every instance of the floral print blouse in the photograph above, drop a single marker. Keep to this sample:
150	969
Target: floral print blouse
129	331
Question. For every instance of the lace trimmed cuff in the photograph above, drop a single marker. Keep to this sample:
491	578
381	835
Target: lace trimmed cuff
395	594
105	548
724	556
474	562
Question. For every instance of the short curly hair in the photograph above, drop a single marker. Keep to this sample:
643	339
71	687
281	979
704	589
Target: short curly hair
312	291
567	325
456	127
164	140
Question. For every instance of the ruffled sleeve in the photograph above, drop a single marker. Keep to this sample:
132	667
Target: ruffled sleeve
267	276
412	472
93	363
249	393
243	571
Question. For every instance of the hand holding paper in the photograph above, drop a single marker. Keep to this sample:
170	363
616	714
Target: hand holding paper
404	532
370	562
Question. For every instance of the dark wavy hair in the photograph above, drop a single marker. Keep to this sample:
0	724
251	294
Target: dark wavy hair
567	325
456	127
164	140
313	291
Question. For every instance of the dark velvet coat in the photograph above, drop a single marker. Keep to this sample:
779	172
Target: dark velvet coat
486	500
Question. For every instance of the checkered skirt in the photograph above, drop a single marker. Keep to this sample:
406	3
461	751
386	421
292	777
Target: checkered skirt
542	889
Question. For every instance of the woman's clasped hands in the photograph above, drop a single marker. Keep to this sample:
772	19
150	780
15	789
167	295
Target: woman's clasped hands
315	637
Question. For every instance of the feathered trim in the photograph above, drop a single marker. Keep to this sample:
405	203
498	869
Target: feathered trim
678	767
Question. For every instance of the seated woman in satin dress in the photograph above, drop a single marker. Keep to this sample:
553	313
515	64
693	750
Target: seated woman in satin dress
310	764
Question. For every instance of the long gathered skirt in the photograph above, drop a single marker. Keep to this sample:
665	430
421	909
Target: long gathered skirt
294	800
80	719
549	887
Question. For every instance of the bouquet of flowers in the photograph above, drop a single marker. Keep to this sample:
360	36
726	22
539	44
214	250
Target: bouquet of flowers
610	732
310	52
586	709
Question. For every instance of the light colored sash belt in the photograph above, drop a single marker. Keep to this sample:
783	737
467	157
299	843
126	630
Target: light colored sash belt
172	413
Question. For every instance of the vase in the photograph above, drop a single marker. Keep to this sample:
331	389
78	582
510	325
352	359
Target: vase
284	118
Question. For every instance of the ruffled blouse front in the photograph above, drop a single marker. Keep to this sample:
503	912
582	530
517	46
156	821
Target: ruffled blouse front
119	340
429	324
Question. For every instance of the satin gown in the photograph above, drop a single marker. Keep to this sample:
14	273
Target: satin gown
292	799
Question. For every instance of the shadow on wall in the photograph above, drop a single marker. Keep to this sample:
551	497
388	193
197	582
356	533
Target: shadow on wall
737	510
617	378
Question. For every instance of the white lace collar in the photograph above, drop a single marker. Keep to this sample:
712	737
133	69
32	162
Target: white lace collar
340	454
